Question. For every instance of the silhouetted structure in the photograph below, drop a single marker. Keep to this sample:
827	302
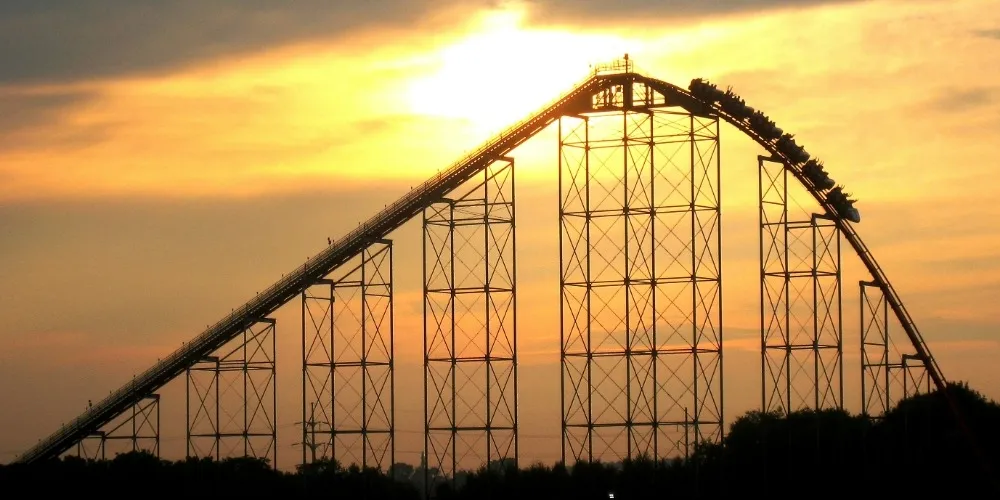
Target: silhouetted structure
800	300
641	278
348	382
470	325
915	450
641	312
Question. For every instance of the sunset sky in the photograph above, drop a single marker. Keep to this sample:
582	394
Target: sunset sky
161	163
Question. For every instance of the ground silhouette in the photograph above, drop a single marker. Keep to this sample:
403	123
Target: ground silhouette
917	449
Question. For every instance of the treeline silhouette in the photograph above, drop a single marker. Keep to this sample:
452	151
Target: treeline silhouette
917	450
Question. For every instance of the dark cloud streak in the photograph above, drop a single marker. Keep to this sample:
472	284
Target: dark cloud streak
71	41
19	110
993	33
604	11
957	100
27	120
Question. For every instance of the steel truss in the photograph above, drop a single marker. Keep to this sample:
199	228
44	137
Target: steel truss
598	90
887	374
800	302
348	402
470	331
641	284
231	398
138	430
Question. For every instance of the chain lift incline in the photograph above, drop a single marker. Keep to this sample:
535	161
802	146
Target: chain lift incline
577	100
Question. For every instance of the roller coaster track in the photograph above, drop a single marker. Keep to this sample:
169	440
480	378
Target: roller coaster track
575	101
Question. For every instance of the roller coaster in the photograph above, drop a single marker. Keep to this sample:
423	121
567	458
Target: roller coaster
614	89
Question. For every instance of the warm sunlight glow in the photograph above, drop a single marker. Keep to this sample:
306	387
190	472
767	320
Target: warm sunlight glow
504	71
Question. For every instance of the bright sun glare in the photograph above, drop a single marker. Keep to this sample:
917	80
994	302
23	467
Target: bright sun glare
505	71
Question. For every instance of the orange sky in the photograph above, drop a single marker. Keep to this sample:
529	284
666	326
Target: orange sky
139	206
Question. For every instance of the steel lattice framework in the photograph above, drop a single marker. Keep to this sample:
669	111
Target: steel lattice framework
232	399
138	430
348	410
887	373
800	300
641	281
470	328
641	338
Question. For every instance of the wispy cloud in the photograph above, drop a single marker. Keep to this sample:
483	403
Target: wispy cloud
990	33
40	120
577	11
83	41
79	41
964	99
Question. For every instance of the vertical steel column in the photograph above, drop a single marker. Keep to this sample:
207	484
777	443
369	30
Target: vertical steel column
774	309
640	283
827	313
140	429
574	289
916	380
888	374
470	331
348	339
237	407
90	447
263	425
158	426
800	301
364	403
562	298
317	371
145	432
706	278
135	430
202	382
875	376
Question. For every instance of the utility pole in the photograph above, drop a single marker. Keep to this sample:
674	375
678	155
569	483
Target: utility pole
312	423
312	431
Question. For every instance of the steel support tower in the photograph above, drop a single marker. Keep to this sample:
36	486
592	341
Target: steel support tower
348	385
800	300
231	398
470	329
641	283
887	374
138	429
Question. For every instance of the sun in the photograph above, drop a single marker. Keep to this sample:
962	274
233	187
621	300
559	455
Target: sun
503	71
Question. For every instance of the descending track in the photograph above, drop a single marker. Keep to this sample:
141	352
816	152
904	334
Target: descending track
577	100
847	229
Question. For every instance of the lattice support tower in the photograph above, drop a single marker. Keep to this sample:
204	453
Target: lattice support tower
888	373
470	331
137	429
641	283
231	398
348	383
800	301
672	335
